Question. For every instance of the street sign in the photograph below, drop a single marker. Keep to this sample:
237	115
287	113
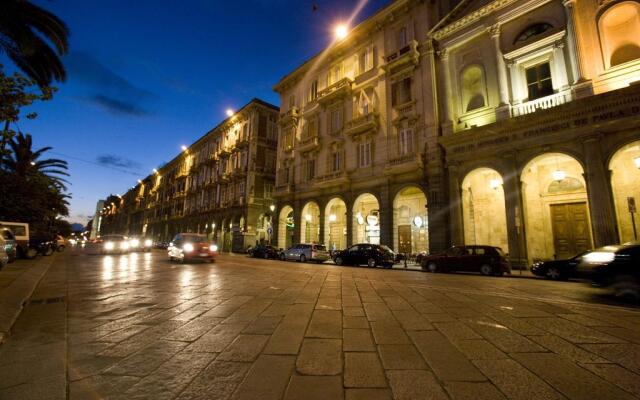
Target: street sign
631	203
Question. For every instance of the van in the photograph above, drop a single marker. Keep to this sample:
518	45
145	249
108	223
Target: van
20	231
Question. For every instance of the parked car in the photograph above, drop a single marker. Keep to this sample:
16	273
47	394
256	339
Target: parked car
371	255
44	245
264	251
108	244
61	243
4	257
304	252
557	269
487	260
10	246
191	246
20	232
615	266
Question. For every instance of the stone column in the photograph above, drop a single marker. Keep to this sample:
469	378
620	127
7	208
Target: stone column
603	216
297	221
446	96
386	216
503	83
321	235
562	80
515	216
515	82
574	48
349	204
455	206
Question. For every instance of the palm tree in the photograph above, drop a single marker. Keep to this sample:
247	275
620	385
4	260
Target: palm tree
25	162
26	35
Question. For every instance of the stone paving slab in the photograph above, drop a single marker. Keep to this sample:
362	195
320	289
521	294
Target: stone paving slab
137	327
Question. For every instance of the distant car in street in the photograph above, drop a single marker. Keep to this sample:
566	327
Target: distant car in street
140	244
557	269
488	260
263	251
371	255
10	246
191	246
304	252
108	244
616	266
61	243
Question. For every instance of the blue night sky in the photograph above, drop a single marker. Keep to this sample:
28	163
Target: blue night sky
147	76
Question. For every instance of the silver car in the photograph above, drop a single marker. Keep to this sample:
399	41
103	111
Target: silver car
304	252
4	257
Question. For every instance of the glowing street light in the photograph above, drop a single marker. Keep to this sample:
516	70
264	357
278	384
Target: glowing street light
341	31
229	112
495	183
183	147
637	162
272	208
155	171
558	175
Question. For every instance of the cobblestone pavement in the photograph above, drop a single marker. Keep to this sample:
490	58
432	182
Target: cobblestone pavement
138	327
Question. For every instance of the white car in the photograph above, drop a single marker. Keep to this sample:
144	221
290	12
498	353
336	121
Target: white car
304	252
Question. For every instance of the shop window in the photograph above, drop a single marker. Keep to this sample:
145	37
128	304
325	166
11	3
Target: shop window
473	88
620	33
539	81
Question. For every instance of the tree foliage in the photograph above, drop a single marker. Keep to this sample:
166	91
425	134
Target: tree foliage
34	39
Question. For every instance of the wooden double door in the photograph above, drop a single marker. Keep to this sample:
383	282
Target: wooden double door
571	230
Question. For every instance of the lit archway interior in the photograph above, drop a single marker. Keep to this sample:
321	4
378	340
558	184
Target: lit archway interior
335	224
285	227
620	33
410	221
366	219
310	223
556	211
483	209
625	184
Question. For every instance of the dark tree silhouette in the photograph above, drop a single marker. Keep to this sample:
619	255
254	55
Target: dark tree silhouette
34	39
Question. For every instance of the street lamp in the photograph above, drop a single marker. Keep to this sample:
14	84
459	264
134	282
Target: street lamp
272	208
558	175
341	31
155	171
332	218
184	148
637	162
229	112
495	183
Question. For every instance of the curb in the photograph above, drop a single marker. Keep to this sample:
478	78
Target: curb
14	297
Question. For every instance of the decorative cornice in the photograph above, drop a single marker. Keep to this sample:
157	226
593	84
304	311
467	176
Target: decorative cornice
470	18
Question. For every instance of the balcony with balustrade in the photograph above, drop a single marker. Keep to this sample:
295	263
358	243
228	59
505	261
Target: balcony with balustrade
543	103
406	55
340	89
364	123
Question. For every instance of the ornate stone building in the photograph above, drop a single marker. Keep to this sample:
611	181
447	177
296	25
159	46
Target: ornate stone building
357	159
221	186
539	113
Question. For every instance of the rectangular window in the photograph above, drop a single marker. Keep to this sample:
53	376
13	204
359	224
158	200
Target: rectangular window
336	120
311	169
365	60
364	154
313	90
539	81
401	92
241	189
405	141
334	74
336	161
288	138
292	101
402	37
245	132
268	190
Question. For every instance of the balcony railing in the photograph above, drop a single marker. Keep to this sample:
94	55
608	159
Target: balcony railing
308	143
404	55
364	123
542	103
338	89
291	115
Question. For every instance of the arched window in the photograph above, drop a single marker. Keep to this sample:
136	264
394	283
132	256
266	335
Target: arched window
531	31
473	88
620	33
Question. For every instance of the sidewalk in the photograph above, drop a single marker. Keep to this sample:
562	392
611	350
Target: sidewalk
18	280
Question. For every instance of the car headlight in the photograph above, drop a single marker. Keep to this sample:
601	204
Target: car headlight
187	247
213	247
134	243
599	257
148	243
109	246
124	245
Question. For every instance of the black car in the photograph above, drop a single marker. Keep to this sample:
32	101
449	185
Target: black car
615	266
371	255
557	269
41	244
264	251
488	260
